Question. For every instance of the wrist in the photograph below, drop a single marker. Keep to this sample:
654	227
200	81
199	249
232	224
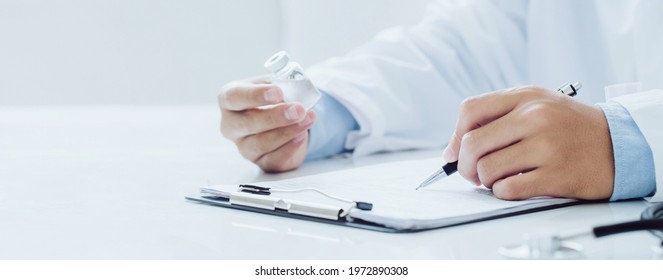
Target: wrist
327	136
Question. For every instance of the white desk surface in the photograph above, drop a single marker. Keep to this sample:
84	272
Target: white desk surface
108	182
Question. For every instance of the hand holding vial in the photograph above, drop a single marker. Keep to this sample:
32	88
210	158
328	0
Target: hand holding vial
268	117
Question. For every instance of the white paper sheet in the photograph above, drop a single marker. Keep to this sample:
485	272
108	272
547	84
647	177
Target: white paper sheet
396	203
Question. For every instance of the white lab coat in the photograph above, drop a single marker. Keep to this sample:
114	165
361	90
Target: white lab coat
404	87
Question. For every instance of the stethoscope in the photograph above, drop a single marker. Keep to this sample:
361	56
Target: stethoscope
560	246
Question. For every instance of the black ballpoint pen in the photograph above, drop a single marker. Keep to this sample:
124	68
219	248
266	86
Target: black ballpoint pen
445	171
451	167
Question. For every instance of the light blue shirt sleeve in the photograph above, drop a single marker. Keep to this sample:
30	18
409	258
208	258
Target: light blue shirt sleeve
634	162
328	134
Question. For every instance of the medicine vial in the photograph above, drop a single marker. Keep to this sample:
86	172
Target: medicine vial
289	76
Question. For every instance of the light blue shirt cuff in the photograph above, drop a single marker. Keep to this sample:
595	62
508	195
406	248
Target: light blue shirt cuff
328	134
634	162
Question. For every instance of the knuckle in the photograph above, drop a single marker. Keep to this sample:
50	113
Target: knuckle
518	89
250	149
543	92
539	115
508	191
225	130
467	138
255	147
243	125
512	189
268	164
236	96
486	172
533	89
260	146
234	125
225	94
467	144
469	106
528	92
247	154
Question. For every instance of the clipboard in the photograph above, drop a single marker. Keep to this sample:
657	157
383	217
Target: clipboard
221	201
361	224
396	206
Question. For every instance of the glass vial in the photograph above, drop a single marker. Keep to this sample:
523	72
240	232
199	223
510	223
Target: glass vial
289	76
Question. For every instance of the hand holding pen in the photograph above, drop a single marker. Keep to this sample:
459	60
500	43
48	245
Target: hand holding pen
451	167
531	141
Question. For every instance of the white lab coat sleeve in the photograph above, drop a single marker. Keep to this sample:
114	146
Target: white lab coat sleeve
405	86
646	108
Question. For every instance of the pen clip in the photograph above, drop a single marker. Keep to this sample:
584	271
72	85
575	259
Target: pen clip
570	89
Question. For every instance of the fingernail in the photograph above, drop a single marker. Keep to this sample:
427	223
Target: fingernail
308	120
292	113
272	95
299	138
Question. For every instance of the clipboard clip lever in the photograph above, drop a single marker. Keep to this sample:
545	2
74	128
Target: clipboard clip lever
255	189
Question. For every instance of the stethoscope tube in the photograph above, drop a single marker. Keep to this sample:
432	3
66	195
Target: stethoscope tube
651	219
601	231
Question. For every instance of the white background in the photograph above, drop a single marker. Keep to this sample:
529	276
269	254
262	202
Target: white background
168	51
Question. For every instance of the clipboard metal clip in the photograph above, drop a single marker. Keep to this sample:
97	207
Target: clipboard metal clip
267	191
260	197
291	206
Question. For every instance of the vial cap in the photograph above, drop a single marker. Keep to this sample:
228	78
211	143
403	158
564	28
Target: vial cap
277	61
